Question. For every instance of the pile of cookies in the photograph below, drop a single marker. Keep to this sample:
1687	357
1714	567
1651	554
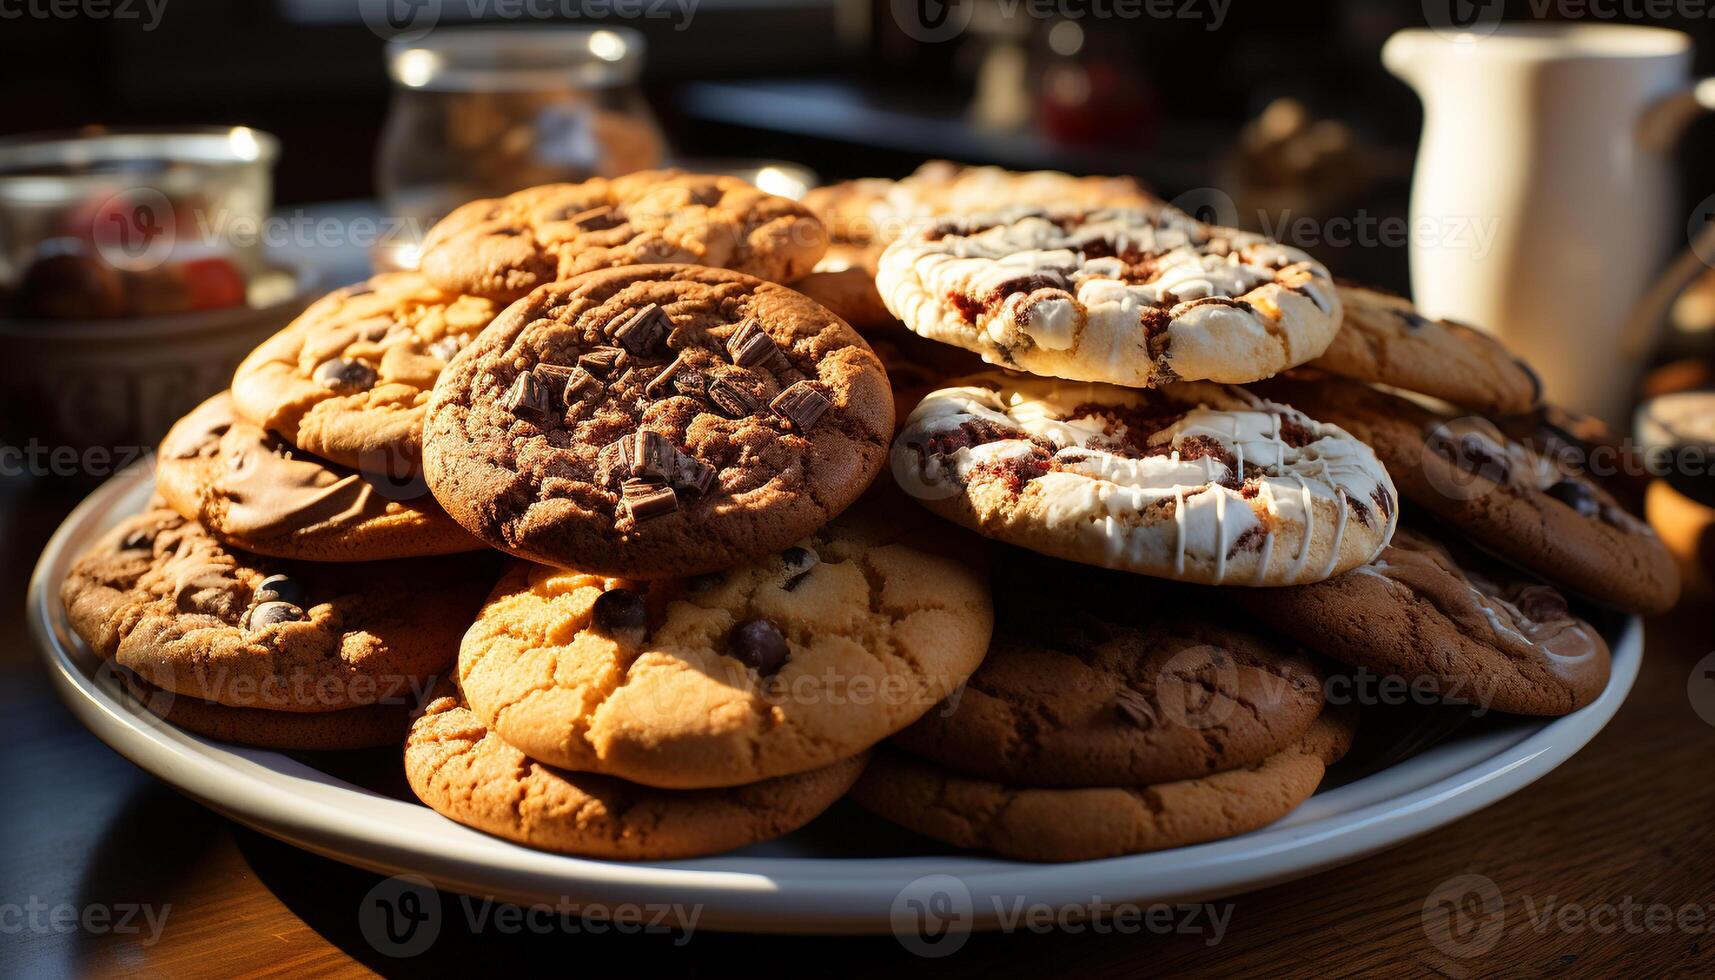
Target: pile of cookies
607	515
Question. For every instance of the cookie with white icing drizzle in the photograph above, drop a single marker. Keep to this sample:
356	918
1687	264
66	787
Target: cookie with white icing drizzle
1473	630
1135	297
1196	482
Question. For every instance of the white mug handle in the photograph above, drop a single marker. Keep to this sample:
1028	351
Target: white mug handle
1659	129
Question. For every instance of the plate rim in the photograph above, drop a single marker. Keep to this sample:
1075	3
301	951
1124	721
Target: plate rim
821	895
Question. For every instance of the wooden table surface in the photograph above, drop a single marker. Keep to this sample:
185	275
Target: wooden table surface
1603	866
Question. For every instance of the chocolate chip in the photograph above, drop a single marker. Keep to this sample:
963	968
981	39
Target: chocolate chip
692	383
758	644
1576	495
345	377
732	400
614	461
749	345
601	360
643	499
691	474
653	455
280	588
800	405
597	218
1134	709
621	614
142	539
528	396
641	331
580	384
271	614
798	562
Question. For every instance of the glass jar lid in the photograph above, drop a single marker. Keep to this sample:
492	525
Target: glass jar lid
482	59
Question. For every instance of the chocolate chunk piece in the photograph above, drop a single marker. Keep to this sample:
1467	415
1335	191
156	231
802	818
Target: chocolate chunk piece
800	405
641	331
614	461
798	561
758	644
691	474
580	384
271	614
597	218
1576	495
750	345
621	614
732	400
643	499
280	588
345	377
602	360
653	456
1134	709
692	383
528	396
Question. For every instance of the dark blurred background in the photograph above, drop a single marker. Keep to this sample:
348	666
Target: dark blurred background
838	85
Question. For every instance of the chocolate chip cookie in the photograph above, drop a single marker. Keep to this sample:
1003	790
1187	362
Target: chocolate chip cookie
161	597
1481	633
657	421
504	247
348	379
1195	482
464	772
1136	298
250	489
1083	824
1090	681
1531	509
365	727
1383	339
781	665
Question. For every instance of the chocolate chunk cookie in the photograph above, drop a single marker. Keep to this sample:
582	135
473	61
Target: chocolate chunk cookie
1036	824
1530	509
366	727
656	421
161	597
348	379
1481	633
465	773
251	490
1383	339
1090	682
785	664
1136	298
1195	482
505	247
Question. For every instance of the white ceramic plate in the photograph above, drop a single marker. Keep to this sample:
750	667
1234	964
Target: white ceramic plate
844	873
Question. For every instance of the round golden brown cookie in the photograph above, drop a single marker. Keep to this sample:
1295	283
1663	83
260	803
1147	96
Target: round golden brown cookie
1089	682
1478	632
348	379
1083	824
1195	482
1533	510
1383	339
656	421
850	294
781	665
366	727
161	597
251	490
465	773
504	247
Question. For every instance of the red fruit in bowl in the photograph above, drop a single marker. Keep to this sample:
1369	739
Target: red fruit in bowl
214	284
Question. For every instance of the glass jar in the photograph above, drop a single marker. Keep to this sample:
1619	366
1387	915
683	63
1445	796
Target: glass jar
480	112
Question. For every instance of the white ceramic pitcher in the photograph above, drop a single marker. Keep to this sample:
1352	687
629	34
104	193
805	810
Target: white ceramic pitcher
1542	205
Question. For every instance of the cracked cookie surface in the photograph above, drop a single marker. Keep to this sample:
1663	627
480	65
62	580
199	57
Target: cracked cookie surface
503	248
1482	633
161	597
348	379
1087	683
1383	339
461	770
783	664
1194	481
1533	508
1137	298
252	490
1083	824
656	421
